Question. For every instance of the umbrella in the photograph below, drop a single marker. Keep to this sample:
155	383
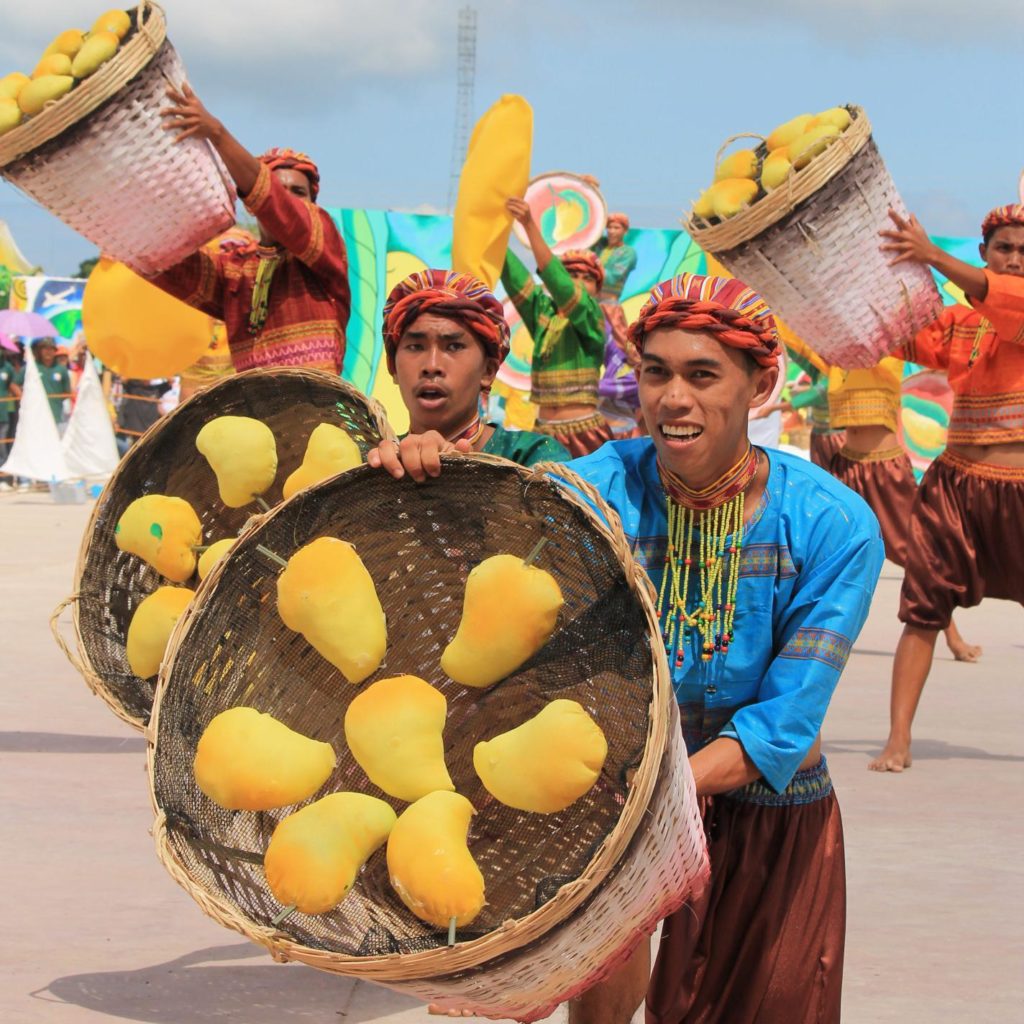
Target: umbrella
8	343
23	324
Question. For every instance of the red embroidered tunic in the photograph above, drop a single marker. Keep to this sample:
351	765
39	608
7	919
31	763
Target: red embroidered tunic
309	299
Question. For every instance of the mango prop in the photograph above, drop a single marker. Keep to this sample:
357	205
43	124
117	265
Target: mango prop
788	132
775	169
509	612
497	167
248	761
68	43
741	164
811	143
545	764
430	865
395	729
98	48
839	117
10	114
329	451
327	595
114	20
163	532
731	196
40	91
242	452
135	328
151	628
53	64
213	554
12	84
316	853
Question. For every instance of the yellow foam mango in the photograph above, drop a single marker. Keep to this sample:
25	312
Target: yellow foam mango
395	730
68	43
115	20
10	114
316	853
53	64
497	166
776	169
811	143
12	84
838	117
163	531
40	91
509	612
327	595
248	761
329	451
151	627
545	764
788	132
741	164
242	452
97	49
732	196
213	554
447	883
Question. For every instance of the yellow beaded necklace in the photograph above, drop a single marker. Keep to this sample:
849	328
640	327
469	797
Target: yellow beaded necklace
716	512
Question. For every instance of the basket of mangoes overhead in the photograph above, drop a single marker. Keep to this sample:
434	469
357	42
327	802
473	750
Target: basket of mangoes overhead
797	218
423	734
82	135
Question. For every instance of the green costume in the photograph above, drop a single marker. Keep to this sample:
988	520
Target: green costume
524	447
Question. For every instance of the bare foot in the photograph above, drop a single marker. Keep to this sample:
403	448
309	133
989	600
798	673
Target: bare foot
963	651
895	757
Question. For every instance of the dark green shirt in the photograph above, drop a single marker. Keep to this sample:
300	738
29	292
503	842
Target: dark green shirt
56	381
8	403
524	447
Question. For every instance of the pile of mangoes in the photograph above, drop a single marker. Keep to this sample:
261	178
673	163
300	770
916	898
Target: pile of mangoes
748	175
71	57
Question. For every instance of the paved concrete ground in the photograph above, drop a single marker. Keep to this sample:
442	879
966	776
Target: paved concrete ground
94	929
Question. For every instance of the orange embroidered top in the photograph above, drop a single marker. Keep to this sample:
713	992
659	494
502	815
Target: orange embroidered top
304	295
866	398
982	351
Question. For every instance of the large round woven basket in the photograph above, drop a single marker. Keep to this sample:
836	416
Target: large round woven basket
100	161
568	894
110	584
810	248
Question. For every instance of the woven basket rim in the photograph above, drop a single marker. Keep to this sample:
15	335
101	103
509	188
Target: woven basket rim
782	201
93	679
90	93
512	935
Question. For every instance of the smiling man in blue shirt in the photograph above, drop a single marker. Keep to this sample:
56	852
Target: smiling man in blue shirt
764	568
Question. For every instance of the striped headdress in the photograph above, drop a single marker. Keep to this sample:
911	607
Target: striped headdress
294	160
583	260
1002	217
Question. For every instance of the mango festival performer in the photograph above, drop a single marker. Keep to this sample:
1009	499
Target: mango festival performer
445	336
965	528
865	404
284	300
765	567
568	330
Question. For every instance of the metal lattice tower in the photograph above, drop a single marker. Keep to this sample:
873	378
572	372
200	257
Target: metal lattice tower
465	76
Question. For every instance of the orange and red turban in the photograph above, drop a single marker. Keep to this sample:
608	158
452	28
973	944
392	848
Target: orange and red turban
583	261
458	297
725	308
292	159
1002	217
618	218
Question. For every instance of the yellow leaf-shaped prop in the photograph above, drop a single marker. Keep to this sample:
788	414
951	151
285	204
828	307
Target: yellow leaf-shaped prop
497	167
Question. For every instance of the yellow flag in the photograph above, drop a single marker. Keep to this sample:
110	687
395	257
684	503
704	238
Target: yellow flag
497	167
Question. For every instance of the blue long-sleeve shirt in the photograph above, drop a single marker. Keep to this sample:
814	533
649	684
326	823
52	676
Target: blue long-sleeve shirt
811	557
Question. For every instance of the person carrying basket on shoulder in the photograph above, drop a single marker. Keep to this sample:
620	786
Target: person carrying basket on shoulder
285	299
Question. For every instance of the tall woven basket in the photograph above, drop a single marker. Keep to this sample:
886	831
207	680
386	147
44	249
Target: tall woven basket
810	248
110	584
100	161
570	894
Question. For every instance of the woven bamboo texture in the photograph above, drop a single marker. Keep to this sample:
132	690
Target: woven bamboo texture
569	894
110	584
810	248
100	160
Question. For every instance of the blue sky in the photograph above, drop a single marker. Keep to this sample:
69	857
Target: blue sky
640	94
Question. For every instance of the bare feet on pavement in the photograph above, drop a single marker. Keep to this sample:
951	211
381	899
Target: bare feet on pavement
895	757
963	651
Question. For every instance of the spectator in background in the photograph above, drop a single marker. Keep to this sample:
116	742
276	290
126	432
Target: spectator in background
55	377
10	392
139	409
